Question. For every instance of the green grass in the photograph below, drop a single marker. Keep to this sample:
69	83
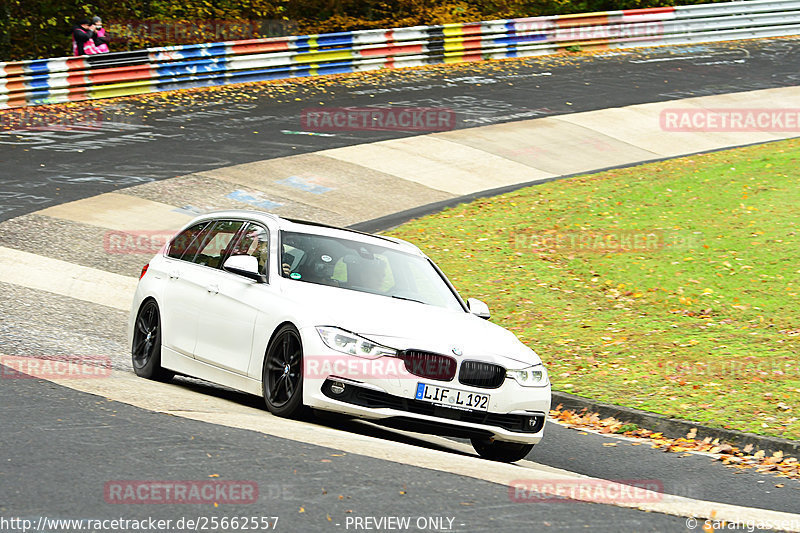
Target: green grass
701	321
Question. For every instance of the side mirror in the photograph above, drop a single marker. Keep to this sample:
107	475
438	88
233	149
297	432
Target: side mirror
244	265
478	308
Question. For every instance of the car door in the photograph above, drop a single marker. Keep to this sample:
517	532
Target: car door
192	279
179	305
228	315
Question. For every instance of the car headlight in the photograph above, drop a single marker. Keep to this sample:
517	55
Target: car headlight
534	376
350	343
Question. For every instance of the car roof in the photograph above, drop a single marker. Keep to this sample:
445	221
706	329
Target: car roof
305	226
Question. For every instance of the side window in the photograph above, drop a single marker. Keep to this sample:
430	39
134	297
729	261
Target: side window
216	243
255	242
185	242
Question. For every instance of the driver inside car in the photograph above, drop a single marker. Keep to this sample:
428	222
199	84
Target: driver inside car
320	271
367	273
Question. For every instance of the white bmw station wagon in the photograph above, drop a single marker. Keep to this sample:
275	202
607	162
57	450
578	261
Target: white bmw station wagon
311	316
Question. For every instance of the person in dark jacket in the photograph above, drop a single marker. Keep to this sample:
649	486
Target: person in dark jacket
83	35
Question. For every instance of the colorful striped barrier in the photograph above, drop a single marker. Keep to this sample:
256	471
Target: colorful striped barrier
60	80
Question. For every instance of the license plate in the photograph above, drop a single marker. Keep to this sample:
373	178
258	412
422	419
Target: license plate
452	397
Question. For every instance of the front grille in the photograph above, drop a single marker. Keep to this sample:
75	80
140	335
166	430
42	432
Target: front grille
364	397
429	365
480	374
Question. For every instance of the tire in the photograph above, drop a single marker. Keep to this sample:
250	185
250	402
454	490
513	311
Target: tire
146	346
282	376
496	450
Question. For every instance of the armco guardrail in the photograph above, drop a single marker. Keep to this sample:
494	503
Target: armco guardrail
47	81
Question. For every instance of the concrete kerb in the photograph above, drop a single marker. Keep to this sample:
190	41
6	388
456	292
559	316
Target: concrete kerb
674	428
387	222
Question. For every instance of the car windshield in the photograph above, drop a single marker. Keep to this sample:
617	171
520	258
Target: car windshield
364	267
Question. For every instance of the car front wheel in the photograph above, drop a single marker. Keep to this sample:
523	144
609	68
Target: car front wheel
495	450
282	377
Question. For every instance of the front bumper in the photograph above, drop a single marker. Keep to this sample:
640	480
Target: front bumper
515	413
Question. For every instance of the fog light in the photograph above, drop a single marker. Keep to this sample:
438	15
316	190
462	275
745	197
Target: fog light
532	422
337	387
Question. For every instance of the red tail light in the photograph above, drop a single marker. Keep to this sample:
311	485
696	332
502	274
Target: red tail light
144	271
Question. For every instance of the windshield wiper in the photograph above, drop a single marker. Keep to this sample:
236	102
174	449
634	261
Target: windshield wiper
406	299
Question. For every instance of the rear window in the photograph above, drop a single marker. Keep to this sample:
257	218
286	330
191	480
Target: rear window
184	242
215	243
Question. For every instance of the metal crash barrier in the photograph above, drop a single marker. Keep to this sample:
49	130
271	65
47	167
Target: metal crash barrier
48	81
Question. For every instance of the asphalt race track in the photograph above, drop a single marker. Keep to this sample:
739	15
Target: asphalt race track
59	467
63	446
141	141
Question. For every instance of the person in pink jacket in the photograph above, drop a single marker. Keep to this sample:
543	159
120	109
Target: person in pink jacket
100	39
82	38
87	40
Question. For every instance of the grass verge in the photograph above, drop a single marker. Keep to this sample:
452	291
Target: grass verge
672	287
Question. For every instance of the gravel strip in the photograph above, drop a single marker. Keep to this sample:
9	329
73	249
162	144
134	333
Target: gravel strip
81	244
40	324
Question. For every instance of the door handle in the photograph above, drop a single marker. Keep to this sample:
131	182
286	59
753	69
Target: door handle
213	288
174	274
